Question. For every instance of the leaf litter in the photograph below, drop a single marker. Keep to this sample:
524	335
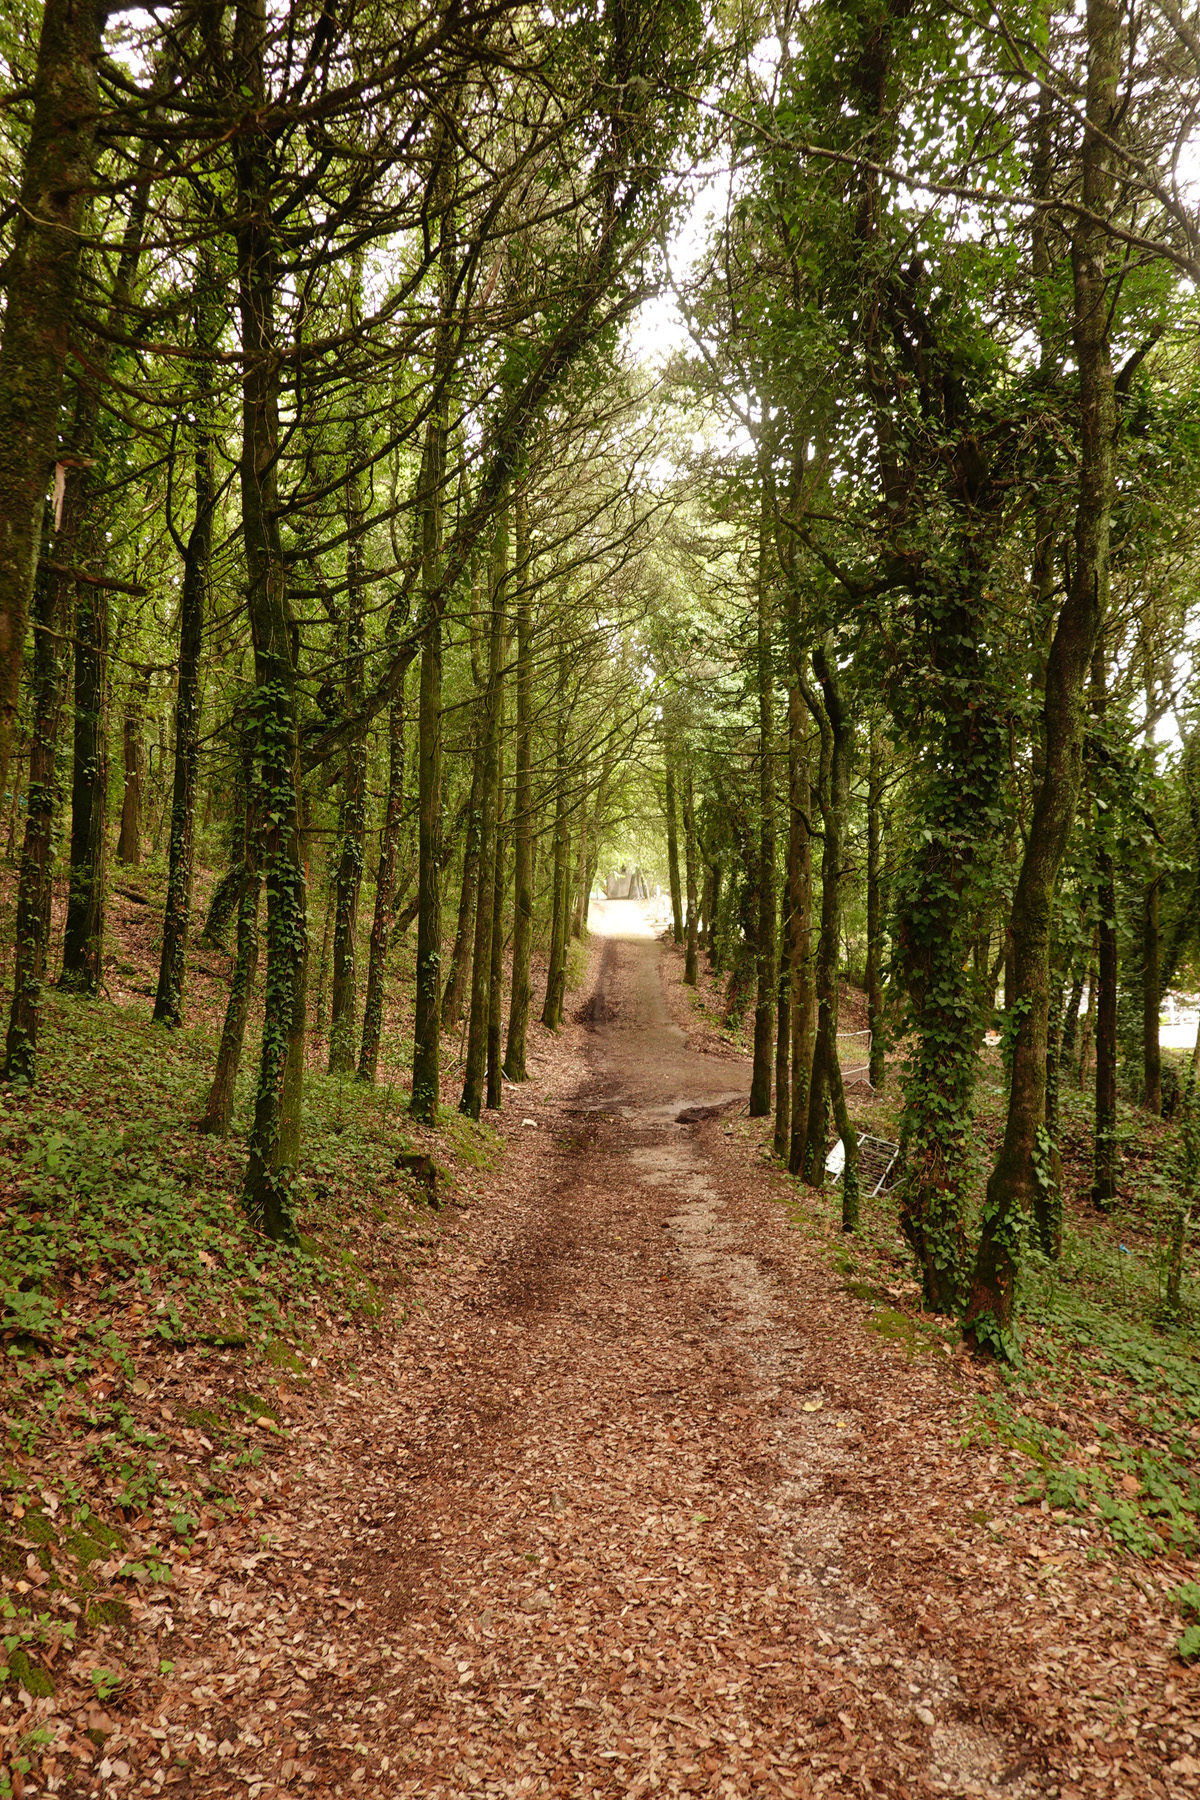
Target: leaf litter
628	1501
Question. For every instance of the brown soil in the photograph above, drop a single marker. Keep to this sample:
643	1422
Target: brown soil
634	1502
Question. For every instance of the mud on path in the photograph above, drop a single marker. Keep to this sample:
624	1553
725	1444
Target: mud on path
636	1505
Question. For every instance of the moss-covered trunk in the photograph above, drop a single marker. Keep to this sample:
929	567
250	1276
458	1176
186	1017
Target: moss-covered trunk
352	816
41	278
270	1170
764	1003
37	853
385	886
522	824
168	1001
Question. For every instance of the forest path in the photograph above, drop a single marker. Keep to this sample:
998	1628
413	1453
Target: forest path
604	1535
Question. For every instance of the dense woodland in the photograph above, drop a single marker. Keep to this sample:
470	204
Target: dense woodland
364	572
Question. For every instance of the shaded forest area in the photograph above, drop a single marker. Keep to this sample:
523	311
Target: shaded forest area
446	455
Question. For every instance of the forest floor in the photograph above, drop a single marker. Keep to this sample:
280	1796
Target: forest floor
620	1472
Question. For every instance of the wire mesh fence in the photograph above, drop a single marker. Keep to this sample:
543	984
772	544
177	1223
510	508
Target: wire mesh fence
854	1057
878	1164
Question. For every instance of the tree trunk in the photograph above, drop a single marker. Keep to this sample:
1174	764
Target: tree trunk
518	1004
673	845
168	1001
352	823
287	1155
219	1109
556	974
83	939
783	1014
474	1074
1087	1030
427	1022
1027	1178
816	1128
460	955
714	923
385	884
129	838
1151	1051
427	1025
553	1004
764	1004
581	862
804	992
1107	1153
77	537
41	280
37	855
833	791
691	960
1070	1024
1054	1035
495	1085
267	1186
223	906
316	1006
877	1071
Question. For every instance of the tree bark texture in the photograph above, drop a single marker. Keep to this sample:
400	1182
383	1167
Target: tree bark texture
352	821
833	721
133	736
1026	1177
1152	1098
714	921
266	1190
427	1023
385	887
172	968
41	281
877	1071
455	992
474	1074
691	962
672	811
1107	1152
83	939
764	1003
552	1007
804	1020
783	1017
522	825
35	882
495	1085
427	1026
219	1108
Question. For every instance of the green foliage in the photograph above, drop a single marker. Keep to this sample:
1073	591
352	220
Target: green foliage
1147	1503
1187	1599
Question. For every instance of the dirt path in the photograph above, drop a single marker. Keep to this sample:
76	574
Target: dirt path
614	1564
636	1505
